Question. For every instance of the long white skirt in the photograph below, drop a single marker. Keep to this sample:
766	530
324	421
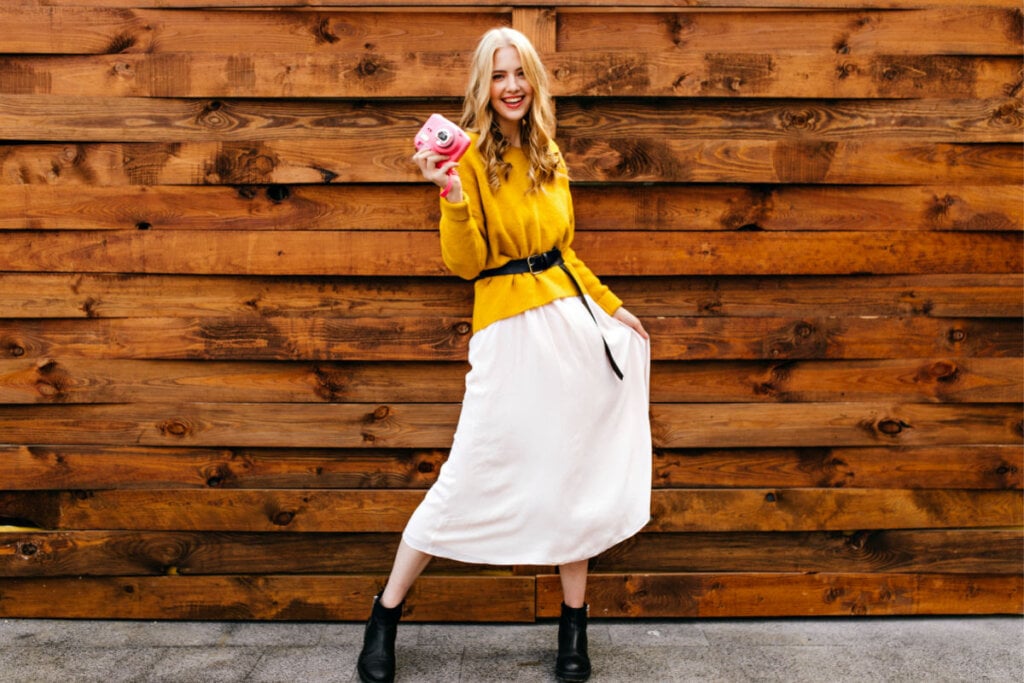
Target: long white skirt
551	460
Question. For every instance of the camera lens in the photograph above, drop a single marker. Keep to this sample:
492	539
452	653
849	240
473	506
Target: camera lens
443	137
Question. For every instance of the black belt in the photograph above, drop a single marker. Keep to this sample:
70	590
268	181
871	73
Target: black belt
538	263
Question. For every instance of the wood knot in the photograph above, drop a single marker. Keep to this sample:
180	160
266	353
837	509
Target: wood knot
770	498
800	119
425	467
367	67
28	549
330	385
711	306
804	330
174	427
892	427
278	193
381	412
1008	114
463	328
957	335
322	32
15	350
945	372
215	117
844	71
216	476
283	518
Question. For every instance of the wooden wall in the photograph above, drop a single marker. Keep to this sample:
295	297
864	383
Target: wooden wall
231	359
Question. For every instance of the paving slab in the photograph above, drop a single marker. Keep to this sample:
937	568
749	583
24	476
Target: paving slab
856	650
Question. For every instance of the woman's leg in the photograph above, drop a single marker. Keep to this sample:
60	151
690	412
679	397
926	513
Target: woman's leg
574	583
377	660
409	564
573	661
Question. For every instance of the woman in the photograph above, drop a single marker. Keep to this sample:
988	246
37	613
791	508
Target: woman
550	463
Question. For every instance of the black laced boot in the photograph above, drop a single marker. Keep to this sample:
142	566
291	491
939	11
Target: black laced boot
377	660
573	663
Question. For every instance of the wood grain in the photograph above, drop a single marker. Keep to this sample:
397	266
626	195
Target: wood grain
124	295
427	425
232	360
446	339
949	30
180	553
85	118
371	253
358	510
86	380
593	157
96	467
761	595
264	597
661	207
441	73
140	467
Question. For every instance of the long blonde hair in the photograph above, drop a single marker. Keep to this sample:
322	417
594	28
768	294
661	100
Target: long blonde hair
538	126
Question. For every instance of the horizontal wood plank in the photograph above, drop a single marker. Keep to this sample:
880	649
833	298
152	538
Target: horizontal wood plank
949	30
563	5
373	253
447	339
264	597
85	380
107	30
842	424
124	295
955	551
133	467
140	467
597	207
590	155
934	31
796	595
371	74
426	425
154	553
924	467
141	119
672	510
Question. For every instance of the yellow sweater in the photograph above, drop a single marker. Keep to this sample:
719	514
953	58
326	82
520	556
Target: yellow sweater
487	229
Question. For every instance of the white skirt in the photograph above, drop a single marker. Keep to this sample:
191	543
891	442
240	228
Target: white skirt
551	460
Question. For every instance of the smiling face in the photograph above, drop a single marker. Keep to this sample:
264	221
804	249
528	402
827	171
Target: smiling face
511	93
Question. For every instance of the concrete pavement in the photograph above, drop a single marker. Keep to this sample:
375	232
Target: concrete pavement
814	650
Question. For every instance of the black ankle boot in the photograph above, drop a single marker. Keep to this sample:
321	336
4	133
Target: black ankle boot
377	660
573	663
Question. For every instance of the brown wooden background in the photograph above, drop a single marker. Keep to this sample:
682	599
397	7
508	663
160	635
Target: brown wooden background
231	359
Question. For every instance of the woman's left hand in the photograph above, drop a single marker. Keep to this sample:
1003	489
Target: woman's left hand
627	318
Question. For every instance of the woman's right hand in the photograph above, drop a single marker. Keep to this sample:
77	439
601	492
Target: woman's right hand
435	168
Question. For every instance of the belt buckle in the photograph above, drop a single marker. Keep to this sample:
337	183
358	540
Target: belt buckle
529	263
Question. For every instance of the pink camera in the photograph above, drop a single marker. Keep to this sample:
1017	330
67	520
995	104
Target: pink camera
442	136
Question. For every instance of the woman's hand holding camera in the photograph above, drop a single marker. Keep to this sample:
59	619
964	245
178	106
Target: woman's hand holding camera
428	161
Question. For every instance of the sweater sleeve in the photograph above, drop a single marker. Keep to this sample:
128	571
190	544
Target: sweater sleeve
463	242
599	292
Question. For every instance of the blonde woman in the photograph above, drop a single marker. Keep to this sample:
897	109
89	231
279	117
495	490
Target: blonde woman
550	463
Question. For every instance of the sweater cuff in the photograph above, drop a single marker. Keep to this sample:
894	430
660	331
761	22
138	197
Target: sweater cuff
455	211
609	303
